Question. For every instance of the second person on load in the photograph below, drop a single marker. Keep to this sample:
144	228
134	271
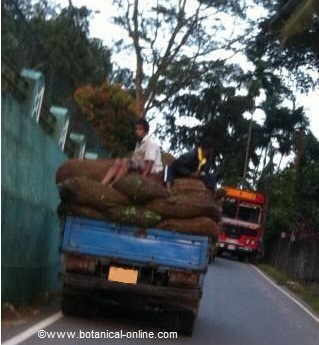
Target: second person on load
195	163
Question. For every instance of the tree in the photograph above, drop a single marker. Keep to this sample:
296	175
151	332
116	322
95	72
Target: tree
294	193
294	18
112	112
219	98
179	80
170	35
285	43
307	176
56	42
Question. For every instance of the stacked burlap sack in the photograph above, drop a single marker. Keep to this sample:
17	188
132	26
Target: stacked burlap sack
136	200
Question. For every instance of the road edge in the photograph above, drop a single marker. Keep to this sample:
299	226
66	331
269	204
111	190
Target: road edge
289	294
29	332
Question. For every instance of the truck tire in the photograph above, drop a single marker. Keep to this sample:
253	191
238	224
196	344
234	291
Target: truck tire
187	324
75	305
69	306
182	322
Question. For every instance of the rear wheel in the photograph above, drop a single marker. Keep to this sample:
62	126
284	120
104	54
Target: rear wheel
188	322
76	305
69	306
182	322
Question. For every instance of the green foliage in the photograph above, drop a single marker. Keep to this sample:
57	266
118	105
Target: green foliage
307	186
294	193
41	36
112	112
183	81
169	37
308	193
281	216
212	97
301	19
299	54
56	41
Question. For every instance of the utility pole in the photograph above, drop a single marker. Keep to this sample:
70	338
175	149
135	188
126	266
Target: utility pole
247	149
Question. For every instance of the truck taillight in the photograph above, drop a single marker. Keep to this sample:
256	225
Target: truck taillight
79	264
179	278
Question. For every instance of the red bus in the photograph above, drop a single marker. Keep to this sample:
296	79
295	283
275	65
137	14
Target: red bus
242	224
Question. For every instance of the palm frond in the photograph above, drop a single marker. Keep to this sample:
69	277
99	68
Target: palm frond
300	19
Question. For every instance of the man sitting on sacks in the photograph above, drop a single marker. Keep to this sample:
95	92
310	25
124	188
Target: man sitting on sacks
146	158
195	163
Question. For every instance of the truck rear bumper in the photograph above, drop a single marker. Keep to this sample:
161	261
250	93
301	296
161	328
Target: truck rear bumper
139	296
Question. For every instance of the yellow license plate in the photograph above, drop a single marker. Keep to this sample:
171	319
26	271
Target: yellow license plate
122	275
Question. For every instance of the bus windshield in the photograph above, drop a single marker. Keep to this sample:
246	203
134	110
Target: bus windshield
247	212
230	208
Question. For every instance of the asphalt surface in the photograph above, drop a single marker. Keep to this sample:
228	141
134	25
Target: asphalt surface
239	307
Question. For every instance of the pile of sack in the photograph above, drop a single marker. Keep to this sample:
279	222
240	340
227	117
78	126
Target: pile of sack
136	200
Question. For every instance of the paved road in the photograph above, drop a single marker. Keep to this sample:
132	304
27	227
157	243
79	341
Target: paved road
239	307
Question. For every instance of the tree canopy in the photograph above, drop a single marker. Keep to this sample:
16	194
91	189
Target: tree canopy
287	38
171	34
56	42
112	112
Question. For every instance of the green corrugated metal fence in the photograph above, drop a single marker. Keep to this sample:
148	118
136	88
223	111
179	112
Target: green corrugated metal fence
30	228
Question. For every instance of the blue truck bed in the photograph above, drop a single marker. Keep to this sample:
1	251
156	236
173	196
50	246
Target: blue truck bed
159	247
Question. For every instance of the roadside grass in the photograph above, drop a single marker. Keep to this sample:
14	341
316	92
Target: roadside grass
309	293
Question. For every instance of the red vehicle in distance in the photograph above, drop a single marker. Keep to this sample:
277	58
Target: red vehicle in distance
242	224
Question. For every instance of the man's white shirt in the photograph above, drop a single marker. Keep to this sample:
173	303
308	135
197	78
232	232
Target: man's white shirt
149	151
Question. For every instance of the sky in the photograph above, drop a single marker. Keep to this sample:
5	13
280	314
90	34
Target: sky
101	27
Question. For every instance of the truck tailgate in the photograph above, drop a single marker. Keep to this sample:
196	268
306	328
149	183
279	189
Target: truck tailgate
161	247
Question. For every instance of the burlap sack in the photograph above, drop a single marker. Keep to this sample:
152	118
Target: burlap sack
186	206
140	189
220	194
92	169
65	209
196	226
83	191
182	185
132	215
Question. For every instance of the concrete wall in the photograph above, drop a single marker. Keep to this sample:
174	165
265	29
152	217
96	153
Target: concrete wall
30	227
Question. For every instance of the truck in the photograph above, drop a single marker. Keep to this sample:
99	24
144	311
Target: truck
108	265
242	226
